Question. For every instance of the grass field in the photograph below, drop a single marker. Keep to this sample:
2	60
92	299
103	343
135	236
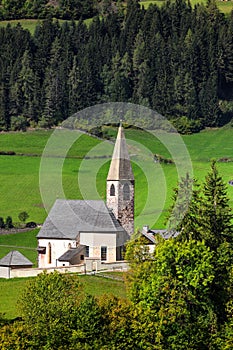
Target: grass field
86	178
224	6
10	291
24	242
20	189
30	24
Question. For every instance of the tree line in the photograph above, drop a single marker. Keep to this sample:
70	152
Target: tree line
179	297
175	59
64	9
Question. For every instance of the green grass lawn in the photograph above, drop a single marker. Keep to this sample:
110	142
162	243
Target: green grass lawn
224	6
85	178
30	24
10	291
24	242
20	190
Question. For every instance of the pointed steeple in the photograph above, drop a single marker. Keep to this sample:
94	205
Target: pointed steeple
120	168
120	184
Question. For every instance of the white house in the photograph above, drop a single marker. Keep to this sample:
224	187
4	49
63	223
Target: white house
77	229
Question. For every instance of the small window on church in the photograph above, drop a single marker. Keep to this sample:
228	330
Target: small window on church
126	192
87	251
49	253
112	190
103	253
69	246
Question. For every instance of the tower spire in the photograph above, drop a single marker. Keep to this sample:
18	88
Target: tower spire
120	168
120	184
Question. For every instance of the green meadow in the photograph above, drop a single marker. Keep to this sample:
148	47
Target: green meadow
11	290
30	24
83	174
224	6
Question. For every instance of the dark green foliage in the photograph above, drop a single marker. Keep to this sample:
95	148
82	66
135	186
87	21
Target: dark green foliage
174	59
2	224
183	292
9	223
49	307
23	216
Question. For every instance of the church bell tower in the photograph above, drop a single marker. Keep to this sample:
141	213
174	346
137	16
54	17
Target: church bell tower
120	184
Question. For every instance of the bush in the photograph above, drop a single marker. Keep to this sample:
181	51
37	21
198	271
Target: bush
187	126
23	216
19	123
2	225
31	224
9	223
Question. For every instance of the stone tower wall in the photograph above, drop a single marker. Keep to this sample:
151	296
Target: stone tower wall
123	209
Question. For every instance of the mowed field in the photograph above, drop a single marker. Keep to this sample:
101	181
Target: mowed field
83	174
224	6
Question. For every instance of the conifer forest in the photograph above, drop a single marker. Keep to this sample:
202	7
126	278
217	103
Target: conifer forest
176	59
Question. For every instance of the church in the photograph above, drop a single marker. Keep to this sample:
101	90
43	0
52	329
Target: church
76	230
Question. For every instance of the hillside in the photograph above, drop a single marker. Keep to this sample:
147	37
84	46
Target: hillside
20	173
174	59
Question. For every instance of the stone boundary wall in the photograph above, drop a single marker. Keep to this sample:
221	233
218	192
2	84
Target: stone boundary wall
32	272
93	265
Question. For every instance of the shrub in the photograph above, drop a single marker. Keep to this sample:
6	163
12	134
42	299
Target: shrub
9	223
2	225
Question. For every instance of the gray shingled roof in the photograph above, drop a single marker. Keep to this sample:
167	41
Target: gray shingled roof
69	217
71	253
150	234
15	258
120	168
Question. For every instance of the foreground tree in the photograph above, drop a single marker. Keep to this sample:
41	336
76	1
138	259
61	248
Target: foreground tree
183	292
48	307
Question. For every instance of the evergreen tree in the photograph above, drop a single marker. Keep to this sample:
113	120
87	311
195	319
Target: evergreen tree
216	215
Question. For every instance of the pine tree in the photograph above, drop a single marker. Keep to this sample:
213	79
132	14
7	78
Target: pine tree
216	215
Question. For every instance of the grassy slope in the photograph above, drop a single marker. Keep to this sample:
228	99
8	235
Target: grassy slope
224	6
20	174
10	291
30	24
19	179
24	242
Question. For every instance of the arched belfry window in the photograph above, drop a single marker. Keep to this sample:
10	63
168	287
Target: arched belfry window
49	253
126	192
112	190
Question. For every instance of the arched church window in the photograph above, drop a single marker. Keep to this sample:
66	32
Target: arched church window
126	192
112	190
49	253
69	246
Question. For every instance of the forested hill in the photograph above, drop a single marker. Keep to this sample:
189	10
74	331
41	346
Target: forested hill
174	59
65	9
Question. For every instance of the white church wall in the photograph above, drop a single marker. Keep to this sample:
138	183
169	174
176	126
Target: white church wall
58	247
97	240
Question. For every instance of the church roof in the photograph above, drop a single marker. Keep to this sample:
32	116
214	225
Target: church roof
15	258
71	253
120	168
69	217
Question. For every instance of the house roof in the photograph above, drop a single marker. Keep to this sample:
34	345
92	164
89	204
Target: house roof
69	217
151	234
15	258
120	167
71	253
164	233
